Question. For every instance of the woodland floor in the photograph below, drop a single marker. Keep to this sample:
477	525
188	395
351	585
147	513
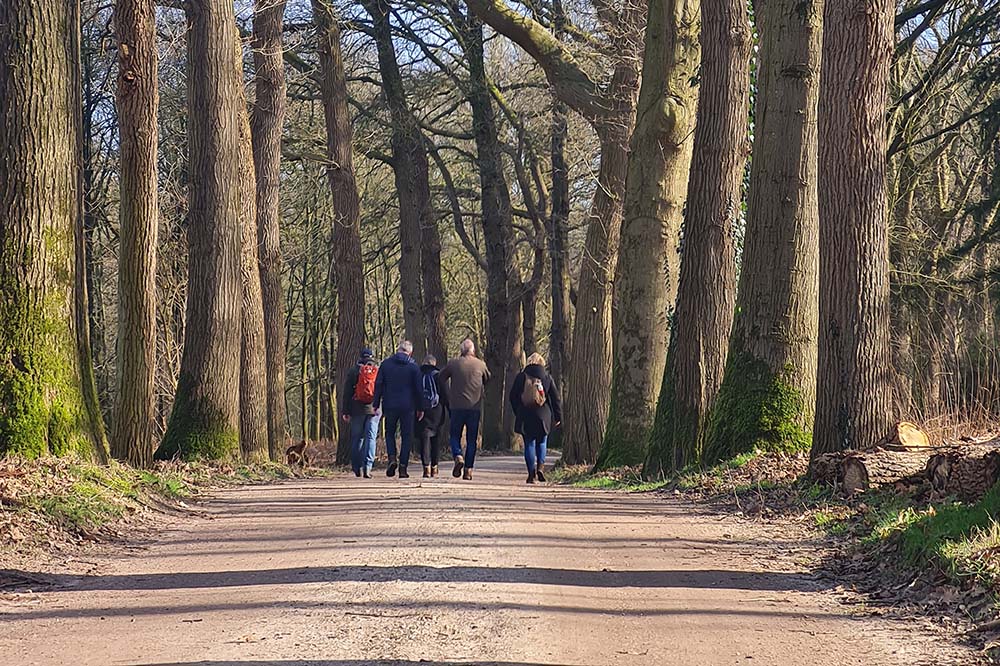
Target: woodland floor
347	572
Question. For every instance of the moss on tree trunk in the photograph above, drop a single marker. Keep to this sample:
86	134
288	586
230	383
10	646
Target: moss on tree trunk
757	409
44	406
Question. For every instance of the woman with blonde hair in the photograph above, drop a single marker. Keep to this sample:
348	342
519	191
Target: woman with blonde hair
534	398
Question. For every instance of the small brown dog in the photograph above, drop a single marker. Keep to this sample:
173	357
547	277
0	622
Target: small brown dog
296	454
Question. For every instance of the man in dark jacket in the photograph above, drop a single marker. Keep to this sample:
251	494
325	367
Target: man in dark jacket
428	429
357	410
534	398
400	396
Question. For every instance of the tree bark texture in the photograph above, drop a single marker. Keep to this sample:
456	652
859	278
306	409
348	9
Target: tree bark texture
611	112
431	282
854	407
768	394
253	346
346	237
409	163
503	349
588	377
648	258
266	124
707	291
205	420
137	103
558	231
47	391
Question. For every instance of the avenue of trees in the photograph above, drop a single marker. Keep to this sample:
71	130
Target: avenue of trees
727	226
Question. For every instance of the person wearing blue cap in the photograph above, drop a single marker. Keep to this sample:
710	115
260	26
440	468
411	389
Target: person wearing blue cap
358	410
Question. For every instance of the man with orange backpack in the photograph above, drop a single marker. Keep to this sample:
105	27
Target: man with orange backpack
358	410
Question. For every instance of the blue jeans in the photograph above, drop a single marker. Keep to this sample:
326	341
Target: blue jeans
404	421
364	431
468	419
534	452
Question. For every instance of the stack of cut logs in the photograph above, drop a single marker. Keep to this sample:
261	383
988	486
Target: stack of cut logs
963	469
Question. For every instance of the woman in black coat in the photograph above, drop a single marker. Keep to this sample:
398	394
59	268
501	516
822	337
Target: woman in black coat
534	398
428	429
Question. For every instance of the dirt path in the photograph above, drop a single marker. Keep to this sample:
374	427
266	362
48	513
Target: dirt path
347	572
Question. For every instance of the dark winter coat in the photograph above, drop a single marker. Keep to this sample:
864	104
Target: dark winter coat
433	417
348	405
397	387
535	422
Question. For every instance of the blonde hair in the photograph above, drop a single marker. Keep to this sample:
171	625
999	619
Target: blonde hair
536	359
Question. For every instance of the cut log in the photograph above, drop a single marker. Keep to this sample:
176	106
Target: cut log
966	473
857	471
906	436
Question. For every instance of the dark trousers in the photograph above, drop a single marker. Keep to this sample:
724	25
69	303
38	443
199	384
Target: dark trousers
430	450
469	420
404	422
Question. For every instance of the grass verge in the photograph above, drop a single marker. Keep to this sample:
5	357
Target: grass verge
48	504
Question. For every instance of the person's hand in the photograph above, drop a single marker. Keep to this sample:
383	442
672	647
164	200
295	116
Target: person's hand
557	424
347	418
420	416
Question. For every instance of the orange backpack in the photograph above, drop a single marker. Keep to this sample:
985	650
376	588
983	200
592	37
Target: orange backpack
364	390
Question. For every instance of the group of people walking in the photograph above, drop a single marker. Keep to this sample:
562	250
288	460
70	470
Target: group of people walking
414	402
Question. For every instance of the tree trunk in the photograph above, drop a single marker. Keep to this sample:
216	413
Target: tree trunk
558	231
648	259
346	237
430	278
854	408
588	377
707	291
137	103
96	317
253	347
610	109
46	380
266	124
503	349
768	395
205	418
409	163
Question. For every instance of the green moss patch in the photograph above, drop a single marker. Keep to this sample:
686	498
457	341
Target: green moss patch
757	410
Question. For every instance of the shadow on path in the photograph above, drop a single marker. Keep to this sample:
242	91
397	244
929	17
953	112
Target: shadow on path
651	579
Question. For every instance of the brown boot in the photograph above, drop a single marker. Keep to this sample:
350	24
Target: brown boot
427	472
467	474
541	473
434	470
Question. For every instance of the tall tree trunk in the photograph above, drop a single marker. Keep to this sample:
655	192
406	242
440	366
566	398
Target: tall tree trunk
768	395
588	377
707	291
610	110
48	407
96	319
346	237
266	123
430	279
854	410
137	104
503	348
253	347
648	260
409	163
558	231
205	419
